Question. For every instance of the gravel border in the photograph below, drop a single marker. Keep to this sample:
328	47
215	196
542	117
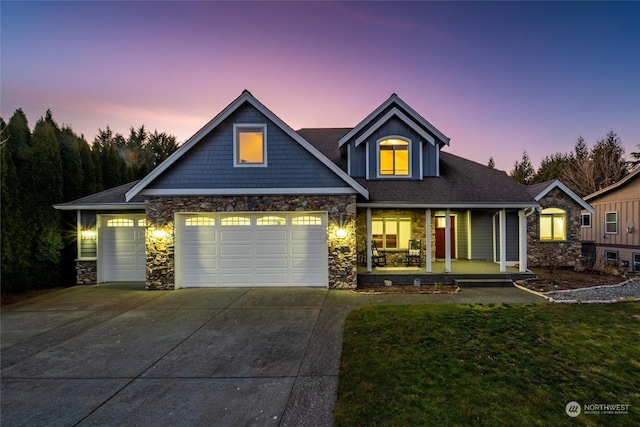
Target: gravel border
605	294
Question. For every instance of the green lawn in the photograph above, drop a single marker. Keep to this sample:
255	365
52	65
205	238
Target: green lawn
490	365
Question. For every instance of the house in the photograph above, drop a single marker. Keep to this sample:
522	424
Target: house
554	228
610	234
248	201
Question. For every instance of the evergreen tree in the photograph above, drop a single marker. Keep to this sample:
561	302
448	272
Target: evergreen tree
89	184
162	146
72	173
523	171
16	232
551	167
46	189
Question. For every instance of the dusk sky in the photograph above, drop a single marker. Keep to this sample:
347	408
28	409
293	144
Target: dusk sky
496	78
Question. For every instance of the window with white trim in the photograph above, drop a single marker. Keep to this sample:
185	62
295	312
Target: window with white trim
611	256
391	232
120	222
200	221
250	145
393	157
585	220
235	221
611	222
553	224
306	220
271	220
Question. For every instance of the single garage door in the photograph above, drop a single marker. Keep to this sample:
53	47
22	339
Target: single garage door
252	249
121	248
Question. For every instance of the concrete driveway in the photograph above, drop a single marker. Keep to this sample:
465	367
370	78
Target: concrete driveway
114	354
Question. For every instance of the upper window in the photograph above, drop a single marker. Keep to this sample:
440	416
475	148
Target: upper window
391	233
235	220
250	145
271	220
585	220
394	157
611	222
553	224
306	220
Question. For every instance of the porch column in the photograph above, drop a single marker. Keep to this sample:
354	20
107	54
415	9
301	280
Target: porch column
369	240
428	239
447	241
522	216
503	240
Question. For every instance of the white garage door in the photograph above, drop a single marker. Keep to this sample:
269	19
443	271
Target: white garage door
121	248
252	249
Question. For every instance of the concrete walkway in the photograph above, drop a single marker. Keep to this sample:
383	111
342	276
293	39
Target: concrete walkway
117	355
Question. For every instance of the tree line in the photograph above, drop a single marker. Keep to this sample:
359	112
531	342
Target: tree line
584	170
49	165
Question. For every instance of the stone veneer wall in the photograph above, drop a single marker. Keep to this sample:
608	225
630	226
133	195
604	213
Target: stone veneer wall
550	253
418	232
86	272
161	213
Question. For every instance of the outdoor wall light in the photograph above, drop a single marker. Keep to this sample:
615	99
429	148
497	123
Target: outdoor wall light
88	235
630	229
341	233
159	233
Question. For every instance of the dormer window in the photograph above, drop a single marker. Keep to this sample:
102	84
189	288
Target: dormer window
393	155
250	145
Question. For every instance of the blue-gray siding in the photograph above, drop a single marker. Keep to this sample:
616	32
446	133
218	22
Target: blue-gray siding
210	163
512	238
481	235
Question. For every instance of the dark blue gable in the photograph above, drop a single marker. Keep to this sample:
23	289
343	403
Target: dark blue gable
210	164
424	155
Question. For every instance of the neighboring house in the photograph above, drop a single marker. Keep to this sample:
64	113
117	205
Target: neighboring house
554	228
610	234
248	201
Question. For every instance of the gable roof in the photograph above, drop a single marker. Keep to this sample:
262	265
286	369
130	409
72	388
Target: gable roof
538	191
111	199
245	97
624	181
413	119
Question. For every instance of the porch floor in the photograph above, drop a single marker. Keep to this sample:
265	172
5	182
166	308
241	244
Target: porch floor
460	269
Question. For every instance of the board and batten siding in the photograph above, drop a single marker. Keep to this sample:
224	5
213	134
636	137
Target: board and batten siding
481	235
210	163
626	202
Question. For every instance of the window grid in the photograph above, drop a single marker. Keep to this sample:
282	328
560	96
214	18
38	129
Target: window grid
120	222
200	222
271	220
306	220
585	220
235	220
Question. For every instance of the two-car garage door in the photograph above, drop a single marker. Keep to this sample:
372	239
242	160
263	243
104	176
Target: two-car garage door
251	249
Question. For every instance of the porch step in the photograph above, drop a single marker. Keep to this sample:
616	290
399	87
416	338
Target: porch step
484	283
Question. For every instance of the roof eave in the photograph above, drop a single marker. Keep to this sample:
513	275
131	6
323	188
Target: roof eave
101	206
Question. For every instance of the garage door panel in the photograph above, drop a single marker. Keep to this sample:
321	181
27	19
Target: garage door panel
255	253
271	263
271	249
122	248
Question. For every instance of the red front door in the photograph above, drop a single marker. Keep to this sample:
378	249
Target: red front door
440	229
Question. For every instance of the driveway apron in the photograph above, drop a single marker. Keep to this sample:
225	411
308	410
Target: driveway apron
118	355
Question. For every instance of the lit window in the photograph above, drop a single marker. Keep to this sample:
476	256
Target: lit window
611	222
391	233
306	220
142	223
235	220
250	145
120	222
553	224
271	220
394	157
585	220
200	221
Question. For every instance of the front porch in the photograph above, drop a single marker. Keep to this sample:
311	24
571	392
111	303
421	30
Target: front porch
461	269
